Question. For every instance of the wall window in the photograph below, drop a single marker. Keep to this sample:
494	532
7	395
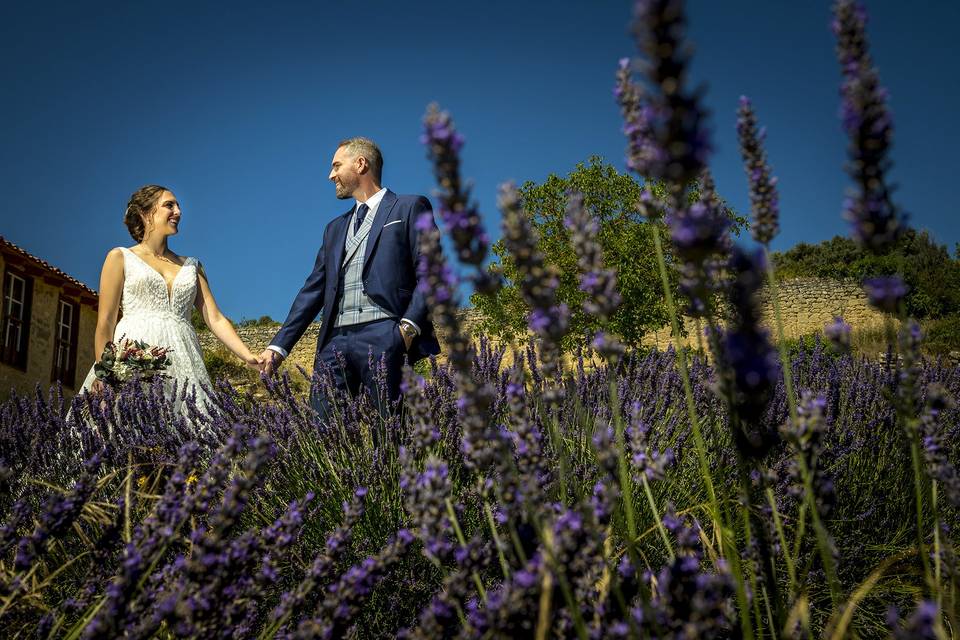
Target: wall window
65	343
15	329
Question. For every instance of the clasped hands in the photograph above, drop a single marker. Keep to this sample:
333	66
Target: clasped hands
269	359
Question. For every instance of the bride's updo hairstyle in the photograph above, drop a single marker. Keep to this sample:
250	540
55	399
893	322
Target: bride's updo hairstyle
142	203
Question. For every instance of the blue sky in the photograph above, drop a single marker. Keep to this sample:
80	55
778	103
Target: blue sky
238	106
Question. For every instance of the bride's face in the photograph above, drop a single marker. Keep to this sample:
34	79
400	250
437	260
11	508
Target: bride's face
165	218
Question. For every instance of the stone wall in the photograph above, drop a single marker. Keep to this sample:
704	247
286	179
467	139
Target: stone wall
806	306
257	337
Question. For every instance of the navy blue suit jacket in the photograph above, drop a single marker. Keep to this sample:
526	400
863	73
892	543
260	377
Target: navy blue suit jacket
389	275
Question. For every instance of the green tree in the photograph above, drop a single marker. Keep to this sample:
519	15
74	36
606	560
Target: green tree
627	242
262	321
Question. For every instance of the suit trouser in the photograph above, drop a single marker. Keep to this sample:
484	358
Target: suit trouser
361	357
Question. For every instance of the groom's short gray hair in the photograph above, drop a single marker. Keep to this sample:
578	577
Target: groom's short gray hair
367	148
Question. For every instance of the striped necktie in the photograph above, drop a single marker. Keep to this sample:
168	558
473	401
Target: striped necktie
361	214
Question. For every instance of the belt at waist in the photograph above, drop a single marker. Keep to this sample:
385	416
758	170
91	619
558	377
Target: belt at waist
154	315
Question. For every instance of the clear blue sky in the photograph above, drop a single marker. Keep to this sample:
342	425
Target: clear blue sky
238	106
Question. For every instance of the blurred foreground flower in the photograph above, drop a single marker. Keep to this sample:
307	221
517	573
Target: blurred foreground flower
875	219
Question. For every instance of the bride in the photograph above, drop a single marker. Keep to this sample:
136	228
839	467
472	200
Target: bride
154	291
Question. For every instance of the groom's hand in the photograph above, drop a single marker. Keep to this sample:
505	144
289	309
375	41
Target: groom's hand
407	332
271	360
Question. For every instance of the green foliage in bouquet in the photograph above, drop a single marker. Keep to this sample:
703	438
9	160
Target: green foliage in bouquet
129	359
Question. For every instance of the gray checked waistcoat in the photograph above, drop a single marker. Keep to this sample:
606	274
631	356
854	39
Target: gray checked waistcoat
355	306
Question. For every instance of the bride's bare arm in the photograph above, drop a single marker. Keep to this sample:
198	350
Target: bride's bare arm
218	323
108	305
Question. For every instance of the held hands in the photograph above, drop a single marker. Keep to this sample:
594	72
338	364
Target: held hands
407	333
270	360
252	361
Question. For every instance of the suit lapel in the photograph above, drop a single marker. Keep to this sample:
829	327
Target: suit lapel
386	205
339	238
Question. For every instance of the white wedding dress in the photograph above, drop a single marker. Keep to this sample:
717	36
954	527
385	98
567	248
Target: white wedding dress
161	318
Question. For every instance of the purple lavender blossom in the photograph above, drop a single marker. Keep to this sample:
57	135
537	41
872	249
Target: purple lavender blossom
424	431
425	496
597	282
642	153
439	284
886	293
533	467
697	230
538	284
354	587
58	515
838	334
306	594
701	240
438	281
460	215
750	368
764	201
668	137
807	437
688	602
439	618
921	625
876	221
936	443
508	609
645	458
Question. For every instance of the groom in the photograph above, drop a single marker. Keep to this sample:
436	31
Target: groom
364	282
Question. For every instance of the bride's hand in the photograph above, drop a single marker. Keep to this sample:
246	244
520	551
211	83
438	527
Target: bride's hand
252	361
97	386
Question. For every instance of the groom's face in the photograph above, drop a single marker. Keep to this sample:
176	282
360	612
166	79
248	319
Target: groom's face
344	173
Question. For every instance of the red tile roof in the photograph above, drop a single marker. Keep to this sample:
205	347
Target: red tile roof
6	244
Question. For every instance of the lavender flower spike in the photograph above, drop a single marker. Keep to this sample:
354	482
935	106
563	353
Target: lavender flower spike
750	369
764	200
701	240
807	435
886	293
460	215
642	152
672	115
599	283
538	283
876	221
935	440
921	625
838	334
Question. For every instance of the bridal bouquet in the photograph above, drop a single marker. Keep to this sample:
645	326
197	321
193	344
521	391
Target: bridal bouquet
129	359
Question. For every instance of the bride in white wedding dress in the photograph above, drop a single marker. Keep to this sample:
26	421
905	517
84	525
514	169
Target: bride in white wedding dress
154	291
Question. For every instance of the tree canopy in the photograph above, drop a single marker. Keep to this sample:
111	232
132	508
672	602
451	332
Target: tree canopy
627	243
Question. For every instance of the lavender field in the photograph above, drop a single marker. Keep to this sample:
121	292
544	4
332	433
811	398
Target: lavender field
749	488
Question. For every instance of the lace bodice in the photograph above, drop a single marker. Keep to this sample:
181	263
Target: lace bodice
161	318
145	290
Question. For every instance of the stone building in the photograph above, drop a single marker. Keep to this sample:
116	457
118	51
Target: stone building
47	323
